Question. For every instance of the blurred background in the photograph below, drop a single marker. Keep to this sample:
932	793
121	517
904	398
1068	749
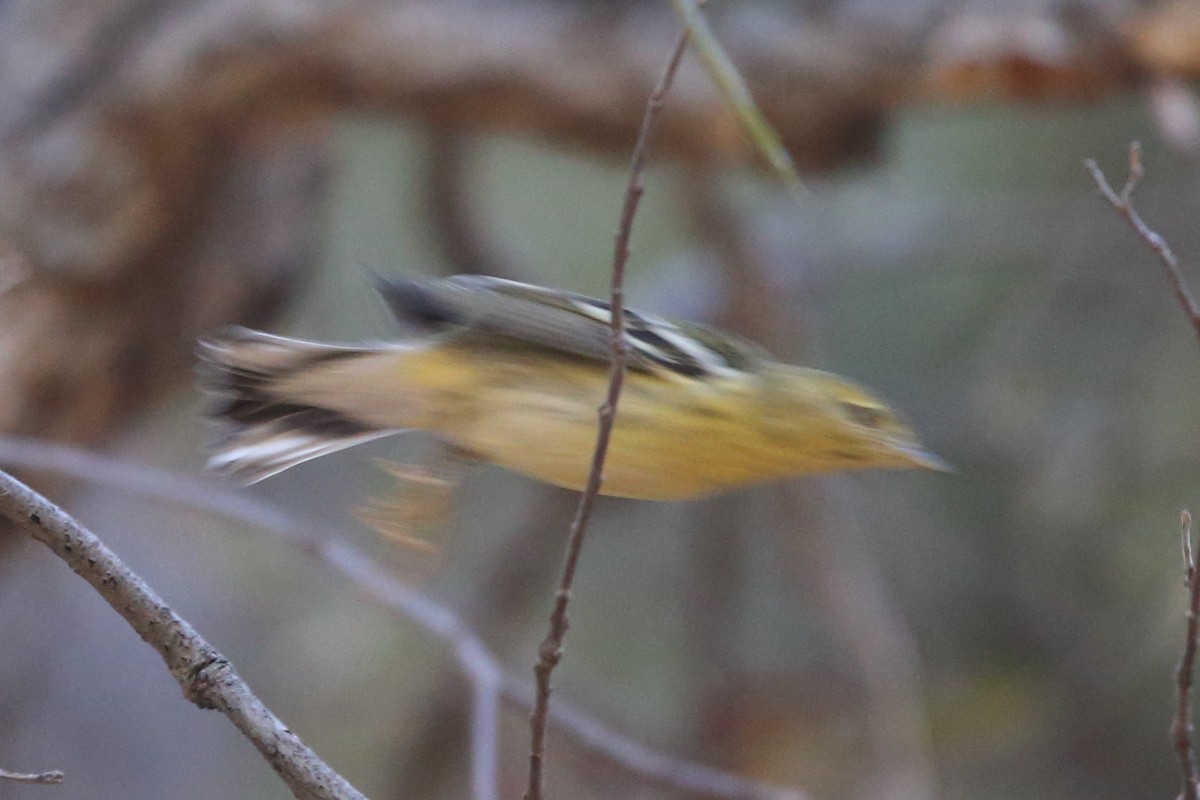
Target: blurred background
1007	631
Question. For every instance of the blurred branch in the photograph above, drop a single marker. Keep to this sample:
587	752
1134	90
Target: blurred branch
847	581
1177	113
755	305
206	677
171	105
470	652
1181	727
653	765
550	650
737	96
1123	203
90	346
498	599
459	236
838	568
473	657
718	538
53	776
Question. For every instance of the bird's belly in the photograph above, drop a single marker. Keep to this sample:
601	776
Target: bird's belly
664	447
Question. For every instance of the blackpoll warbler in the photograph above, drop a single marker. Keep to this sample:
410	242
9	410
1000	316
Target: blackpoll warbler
513	374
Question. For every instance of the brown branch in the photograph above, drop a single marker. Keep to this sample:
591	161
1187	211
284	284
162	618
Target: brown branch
470	652
550	650
53	776
1123	203
207	678
1181	727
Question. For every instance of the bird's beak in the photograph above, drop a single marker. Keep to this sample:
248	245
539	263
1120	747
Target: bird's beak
923	459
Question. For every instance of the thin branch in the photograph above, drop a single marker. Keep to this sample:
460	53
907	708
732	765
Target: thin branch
1123	203
53	776
1181	727
470	653
550	650
207	678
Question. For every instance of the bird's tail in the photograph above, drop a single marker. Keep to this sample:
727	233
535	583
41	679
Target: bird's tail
282	401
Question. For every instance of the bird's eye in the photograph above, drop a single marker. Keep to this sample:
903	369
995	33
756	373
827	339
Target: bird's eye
867	416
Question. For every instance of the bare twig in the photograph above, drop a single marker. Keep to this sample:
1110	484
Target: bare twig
207	678
53	776
470	652
1181	727
1123	203
550	650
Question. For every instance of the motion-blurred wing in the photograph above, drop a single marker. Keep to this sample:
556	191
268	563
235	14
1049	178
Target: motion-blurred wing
566	322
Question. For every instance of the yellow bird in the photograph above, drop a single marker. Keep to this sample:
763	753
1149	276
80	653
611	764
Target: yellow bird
513	374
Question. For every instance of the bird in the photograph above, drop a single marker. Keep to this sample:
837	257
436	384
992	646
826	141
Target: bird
513	373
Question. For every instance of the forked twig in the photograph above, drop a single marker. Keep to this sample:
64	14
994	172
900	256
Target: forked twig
1123	203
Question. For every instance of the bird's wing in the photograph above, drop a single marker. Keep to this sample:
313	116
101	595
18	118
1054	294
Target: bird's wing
566	322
